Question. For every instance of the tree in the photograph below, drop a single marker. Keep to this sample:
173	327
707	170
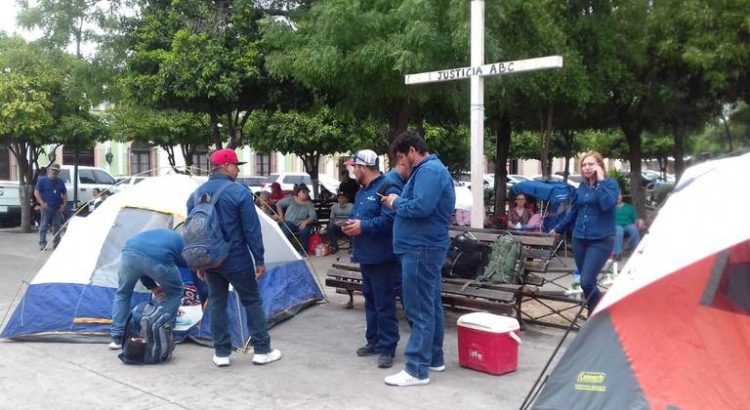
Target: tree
25	104
308	135
354	55
451	144
67	21
165	129
200	57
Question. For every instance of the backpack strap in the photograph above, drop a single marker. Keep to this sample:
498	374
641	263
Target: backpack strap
214	197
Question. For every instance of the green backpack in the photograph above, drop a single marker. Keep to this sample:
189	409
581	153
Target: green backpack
506	262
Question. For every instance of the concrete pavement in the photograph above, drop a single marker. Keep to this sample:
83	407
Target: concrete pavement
319	369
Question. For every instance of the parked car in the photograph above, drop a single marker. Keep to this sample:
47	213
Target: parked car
287	180
573	180
127	182
88	179
253	183
10	203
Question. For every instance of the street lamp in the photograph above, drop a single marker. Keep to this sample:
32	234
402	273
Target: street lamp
51	155
108	156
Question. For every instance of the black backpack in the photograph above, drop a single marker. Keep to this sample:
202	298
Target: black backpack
148	337
466	257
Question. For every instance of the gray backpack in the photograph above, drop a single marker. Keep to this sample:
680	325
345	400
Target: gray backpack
506	262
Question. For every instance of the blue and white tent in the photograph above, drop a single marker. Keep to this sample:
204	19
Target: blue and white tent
72	293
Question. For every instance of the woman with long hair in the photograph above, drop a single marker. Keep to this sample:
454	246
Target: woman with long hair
593	219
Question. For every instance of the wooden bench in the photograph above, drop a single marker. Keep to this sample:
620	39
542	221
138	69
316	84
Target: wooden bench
539	249
348	279
323	212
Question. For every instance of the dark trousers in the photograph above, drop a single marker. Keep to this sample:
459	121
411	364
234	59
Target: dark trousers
590	256
379	288
247	289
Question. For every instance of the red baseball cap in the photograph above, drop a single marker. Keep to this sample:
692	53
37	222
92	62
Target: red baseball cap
225	156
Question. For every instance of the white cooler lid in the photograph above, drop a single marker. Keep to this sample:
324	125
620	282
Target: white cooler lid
488	322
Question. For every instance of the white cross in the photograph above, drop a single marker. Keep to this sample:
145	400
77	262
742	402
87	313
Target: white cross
477	72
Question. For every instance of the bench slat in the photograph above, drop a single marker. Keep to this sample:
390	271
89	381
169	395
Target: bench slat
345	274
479	293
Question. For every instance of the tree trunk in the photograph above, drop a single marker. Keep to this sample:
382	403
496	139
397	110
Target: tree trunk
632	131
188	151
679	130
546	142
216	137
398	120
727	133
502	150
311	167
21	151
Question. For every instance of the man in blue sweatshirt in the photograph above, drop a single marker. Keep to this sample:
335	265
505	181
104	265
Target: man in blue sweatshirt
371	228
153	257
420	239
244	266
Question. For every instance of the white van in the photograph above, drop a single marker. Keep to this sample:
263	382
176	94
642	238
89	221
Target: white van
88	179
10	203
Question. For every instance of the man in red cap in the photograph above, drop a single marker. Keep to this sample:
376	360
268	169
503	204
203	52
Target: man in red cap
241	228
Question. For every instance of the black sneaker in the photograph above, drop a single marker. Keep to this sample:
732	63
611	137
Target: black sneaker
385	360
366	350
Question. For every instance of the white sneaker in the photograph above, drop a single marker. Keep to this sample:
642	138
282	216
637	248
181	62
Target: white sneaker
403	379
222	361
437	368
114	345
608	280
266	358
574	290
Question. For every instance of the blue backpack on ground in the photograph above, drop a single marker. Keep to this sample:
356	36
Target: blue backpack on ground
148	337
205	246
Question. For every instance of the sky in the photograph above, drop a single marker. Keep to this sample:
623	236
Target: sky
8	11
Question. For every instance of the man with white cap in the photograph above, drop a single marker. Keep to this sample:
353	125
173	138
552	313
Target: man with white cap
242	269
371	227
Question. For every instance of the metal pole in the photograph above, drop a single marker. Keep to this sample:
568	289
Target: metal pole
477	115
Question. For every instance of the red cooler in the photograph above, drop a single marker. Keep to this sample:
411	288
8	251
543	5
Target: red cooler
488	343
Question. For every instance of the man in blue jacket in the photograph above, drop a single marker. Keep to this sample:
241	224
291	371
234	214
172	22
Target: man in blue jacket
420	239
153	257
371	227
242	268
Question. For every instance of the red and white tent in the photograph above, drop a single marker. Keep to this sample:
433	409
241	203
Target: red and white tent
674	330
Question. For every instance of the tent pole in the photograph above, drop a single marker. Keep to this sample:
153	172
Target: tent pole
537	387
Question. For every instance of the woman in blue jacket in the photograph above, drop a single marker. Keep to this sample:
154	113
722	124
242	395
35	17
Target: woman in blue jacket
593	218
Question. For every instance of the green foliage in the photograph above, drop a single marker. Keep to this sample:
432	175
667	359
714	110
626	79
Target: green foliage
201	57
661	193
451	144
622	180
355	53
303	134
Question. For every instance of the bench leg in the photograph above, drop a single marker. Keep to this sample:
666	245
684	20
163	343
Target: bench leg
519	315
350	305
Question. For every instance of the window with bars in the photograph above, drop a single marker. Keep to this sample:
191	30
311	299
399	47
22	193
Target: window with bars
200	163
140	160
262	164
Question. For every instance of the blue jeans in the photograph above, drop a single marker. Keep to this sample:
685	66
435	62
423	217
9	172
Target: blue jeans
303	234
132	266
334	233
247	289
50	218
379	289
422	288
590	256
620	232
